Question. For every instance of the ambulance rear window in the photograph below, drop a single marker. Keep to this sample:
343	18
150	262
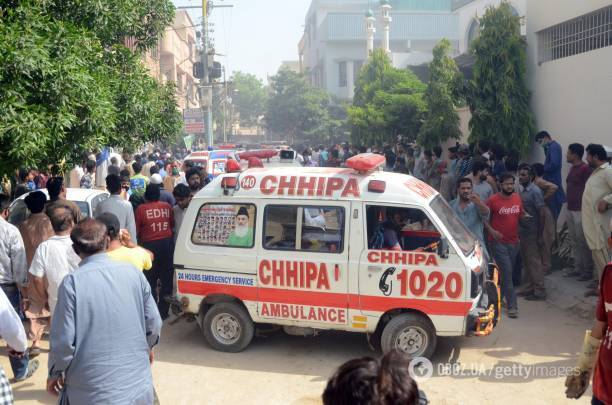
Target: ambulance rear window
320	228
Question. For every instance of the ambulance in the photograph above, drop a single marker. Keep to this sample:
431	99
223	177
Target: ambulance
353	249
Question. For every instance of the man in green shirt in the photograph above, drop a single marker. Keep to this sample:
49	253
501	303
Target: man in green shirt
242	235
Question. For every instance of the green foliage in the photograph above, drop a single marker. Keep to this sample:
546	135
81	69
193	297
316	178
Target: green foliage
441	120
498	96
295	109
388	102
250	97
68	86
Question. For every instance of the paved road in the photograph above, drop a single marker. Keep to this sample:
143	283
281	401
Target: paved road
281	369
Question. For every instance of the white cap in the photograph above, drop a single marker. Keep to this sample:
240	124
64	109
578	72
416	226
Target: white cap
156	179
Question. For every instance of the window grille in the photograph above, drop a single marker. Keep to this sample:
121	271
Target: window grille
582	34
342	80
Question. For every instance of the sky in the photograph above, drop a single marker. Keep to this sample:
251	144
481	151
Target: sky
255	35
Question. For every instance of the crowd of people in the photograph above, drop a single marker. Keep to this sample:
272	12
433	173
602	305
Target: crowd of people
122	288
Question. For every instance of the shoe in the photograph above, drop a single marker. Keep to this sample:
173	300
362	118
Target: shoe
592	293
536	297
513	313
585	277
573	273
33	352
32	367
524	293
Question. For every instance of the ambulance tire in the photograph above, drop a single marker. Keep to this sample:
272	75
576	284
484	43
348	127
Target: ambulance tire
227	327
409	327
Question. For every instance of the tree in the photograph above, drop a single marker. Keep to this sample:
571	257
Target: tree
249	97
441	120
294	108
66	88
388	102
498	96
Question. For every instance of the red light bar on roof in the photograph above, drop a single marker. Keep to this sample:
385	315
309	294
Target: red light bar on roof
377	186
229	182
260	153
365	162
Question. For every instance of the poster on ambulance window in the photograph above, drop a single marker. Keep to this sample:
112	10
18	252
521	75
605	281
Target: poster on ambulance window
230	225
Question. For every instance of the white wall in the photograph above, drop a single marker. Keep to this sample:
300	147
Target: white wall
571	97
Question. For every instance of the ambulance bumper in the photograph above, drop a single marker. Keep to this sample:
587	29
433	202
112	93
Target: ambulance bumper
486	314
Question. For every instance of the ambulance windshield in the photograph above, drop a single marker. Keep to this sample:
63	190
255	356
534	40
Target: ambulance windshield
458	230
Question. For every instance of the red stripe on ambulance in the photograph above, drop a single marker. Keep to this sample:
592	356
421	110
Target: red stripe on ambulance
325	299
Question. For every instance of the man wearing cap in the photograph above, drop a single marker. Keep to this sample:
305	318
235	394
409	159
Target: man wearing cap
242	235
121	247
164	195
116	205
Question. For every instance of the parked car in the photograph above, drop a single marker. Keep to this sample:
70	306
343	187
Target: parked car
86	199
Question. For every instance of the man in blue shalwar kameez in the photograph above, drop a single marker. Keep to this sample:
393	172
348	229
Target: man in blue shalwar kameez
104	328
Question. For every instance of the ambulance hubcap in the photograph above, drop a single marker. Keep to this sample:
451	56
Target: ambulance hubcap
412	340
226	329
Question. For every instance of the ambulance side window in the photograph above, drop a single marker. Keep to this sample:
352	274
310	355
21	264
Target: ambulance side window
228	225
304	228
280	227
400	228
322	229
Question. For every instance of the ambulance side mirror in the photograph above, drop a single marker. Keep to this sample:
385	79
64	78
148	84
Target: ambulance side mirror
443	248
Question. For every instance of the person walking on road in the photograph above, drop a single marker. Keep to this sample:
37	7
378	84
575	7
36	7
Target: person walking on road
54	259
549	229
121	247
506	210
154	224
596	209
87	181
552	170
35	230
104	329
116	205
576	181
530	232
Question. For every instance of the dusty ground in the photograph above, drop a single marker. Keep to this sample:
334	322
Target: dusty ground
281	369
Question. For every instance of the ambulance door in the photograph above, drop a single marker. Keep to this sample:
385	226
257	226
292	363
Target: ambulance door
400	266
303	263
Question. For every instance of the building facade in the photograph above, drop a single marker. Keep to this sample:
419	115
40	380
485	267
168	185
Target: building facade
333	47
570	70
177	54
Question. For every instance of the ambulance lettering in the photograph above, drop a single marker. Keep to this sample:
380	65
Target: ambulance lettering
303	313
309	186
286	273
416	283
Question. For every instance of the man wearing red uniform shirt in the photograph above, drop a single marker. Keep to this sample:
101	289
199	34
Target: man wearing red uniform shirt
154	224
506	210
600	337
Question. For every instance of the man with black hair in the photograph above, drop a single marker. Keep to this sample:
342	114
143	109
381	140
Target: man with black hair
596	209
154	223
114	168
35	230
484	145
120	245
549	229
194	180
54	258
497	155
57	192
118	206
480	175
576	181
552	170
138	182
87	181
182	195
104	328
506	209
531	235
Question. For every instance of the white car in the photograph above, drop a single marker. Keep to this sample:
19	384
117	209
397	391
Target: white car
86	199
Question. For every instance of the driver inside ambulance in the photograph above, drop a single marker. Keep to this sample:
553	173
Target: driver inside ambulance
392	227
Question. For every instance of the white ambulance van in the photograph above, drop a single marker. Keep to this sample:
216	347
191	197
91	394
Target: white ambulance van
353	249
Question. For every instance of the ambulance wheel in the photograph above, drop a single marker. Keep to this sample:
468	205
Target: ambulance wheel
227	327
409	333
